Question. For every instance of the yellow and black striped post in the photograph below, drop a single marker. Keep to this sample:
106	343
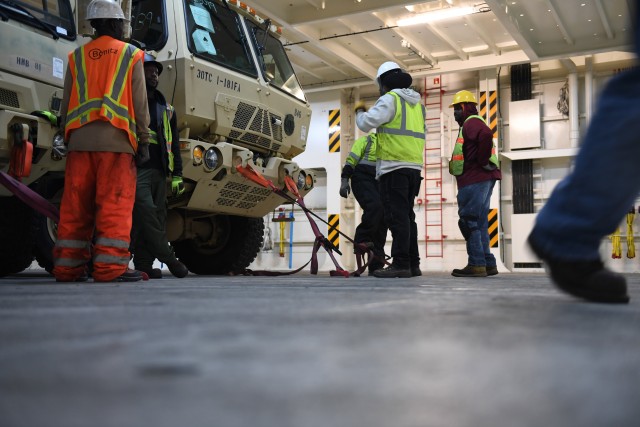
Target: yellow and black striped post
492	117
493	228
334	228
491	105
334	131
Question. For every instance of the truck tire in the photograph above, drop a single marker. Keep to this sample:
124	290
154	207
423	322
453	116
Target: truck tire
45	239
236	251
45	229
16	236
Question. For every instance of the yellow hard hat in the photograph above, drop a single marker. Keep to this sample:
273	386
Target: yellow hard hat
463	96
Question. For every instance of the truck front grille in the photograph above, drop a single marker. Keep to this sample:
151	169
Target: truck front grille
241	196
262	126
9	98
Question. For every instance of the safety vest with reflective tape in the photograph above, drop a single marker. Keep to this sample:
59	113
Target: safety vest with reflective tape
101	72
456	164
363	151
167	114
403	138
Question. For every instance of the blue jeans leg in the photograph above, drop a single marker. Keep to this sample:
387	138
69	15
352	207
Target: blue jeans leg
590	202
473	209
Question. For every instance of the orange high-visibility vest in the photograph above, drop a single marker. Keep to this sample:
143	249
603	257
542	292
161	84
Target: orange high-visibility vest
101	72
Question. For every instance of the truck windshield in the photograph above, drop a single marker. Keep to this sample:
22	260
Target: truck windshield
149	23
52	16
275	64
214	33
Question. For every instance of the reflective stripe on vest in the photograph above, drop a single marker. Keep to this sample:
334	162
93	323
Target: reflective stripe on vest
108	95
368	154
167	114
456	164
403	138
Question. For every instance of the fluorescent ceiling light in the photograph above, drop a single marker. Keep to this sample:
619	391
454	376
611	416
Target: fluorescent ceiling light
437	15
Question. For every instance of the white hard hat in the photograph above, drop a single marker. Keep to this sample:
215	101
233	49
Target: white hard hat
387	66
104	9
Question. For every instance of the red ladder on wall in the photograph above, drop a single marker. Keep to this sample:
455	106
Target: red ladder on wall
433	200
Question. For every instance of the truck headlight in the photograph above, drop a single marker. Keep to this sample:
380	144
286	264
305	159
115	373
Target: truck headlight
211	159
308	182
302	179
197	155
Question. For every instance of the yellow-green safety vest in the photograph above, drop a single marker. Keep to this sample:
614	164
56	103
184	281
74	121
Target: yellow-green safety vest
403	138
363	151
167	114
456	164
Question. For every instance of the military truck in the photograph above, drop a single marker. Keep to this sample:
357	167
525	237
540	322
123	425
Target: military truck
238	103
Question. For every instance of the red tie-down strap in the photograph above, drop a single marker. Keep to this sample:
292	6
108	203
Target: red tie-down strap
21	152
320	241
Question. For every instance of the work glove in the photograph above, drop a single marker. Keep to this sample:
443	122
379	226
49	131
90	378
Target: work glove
177	185
359	107
344	187
142	156
490	167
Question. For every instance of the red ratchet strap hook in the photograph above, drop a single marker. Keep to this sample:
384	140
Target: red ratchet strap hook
321	240
360	249
21	152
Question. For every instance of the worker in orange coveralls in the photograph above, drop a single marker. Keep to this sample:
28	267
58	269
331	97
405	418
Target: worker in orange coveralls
106	124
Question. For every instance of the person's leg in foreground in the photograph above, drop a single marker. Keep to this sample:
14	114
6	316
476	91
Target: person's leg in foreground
590	202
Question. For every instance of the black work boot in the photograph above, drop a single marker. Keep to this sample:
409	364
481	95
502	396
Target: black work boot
492	271
470	271
129	276
177	268
153	273
391	272
415	271
374	264
589	280
82	278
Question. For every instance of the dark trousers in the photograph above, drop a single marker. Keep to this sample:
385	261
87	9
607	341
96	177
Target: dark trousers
398	190
372	227
149	236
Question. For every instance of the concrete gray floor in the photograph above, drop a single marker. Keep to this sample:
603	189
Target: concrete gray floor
307	351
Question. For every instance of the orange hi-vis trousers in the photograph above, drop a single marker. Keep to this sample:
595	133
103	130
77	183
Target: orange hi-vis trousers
96	210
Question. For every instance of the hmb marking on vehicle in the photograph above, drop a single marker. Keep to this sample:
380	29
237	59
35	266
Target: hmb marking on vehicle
23	62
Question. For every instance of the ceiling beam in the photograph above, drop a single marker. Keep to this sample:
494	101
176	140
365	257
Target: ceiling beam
354	60
322	55
419	46
500	10
307	12
361	39
296	64
480	34
404	35
314	4
333	49
452	44
604	19
561	26
445	67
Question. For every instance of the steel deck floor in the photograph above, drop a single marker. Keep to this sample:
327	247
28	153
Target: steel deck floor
307	351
